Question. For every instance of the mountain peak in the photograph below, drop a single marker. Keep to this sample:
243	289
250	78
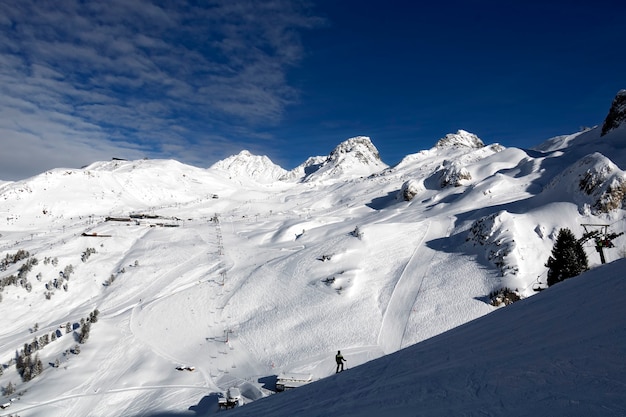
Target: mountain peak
461	138
617	113
245	164
362	148
356	156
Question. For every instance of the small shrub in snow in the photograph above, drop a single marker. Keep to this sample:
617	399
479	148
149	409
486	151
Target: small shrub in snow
357	233
503	296
109	281
87	253
48	260
69	270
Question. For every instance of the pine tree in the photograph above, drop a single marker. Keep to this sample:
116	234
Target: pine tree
568	258
37	367
9	389
84	332
19	362
26	370
93	316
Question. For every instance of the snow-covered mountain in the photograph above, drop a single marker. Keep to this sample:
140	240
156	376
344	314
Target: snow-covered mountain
247	166
461	138
149	287
353	158
617	113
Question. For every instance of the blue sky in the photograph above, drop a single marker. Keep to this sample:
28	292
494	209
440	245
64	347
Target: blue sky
198	81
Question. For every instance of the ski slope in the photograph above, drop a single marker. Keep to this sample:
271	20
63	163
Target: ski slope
558	353
223	281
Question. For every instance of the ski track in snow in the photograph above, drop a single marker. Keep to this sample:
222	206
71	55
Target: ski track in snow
404	294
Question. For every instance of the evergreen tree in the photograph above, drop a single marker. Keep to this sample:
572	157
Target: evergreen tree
37	367
19	362
568	258
9	389
84	332
25	372
93	316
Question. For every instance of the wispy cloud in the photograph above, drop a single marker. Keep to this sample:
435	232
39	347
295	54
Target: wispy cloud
81	81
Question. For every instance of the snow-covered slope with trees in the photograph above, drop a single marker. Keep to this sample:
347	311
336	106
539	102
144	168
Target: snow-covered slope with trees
147	287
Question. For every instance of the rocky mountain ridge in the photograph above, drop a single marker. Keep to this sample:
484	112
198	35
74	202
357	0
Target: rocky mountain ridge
617	113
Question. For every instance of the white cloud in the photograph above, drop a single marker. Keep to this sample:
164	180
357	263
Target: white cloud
131	78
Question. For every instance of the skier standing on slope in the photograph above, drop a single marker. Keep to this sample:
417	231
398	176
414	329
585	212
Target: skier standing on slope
340	360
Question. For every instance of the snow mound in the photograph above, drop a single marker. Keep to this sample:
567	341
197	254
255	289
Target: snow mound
454	173
594	183
495	236
557	142
410	189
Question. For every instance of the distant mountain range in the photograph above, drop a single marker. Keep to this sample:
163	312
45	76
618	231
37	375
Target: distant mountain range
205	279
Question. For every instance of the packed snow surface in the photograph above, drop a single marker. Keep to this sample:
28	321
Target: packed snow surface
207	279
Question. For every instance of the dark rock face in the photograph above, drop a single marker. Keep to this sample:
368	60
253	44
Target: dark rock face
617	113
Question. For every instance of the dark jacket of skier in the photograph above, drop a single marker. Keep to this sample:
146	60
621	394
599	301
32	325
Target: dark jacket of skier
340	360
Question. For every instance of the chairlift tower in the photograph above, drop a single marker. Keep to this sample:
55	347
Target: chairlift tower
601	236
